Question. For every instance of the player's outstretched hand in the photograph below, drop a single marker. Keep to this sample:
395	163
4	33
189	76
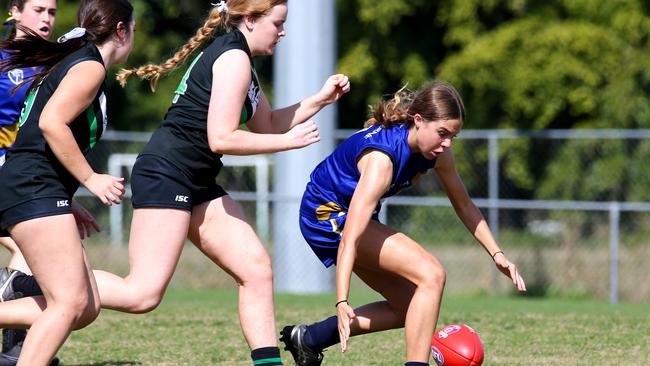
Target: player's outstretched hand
303	134
345	315
509	269
108	189
335	86
86	222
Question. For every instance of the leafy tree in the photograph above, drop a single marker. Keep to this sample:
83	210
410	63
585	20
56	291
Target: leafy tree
163	26
522	64
384	44
557	64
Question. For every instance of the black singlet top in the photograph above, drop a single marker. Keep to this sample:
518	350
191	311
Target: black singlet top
32	170
182	138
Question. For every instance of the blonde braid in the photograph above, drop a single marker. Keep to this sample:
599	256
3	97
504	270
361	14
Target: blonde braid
153	72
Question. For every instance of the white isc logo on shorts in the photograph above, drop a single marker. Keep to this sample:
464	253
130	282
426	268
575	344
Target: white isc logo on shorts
180	198
62	203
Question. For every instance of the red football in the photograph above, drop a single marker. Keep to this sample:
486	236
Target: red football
457	345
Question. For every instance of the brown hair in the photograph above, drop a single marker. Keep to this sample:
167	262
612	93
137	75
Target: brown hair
20	4
98	17
434	102
237	10
10	31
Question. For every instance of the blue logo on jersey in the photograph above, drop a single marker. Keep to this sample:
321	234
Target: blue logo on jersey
16	76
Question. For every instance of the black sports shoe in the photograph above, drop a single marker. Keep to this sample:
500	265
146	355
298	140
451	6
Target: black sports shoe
12	344
10	358
293	338
6	284
12	339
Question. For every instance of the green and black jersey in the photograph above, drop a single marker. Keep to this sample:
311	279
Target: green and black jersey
182	137
32	170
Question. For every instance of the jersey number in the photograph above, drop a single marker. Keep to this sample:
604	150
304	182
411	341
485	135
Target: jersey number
27	108
182	87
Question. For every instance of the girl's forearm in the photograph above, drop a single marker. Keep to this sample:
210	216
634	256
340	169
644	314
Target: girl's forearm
66	150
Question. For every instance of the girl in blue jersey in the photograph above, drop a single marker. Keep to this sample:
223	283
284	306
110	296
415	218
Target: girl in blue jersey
63	117
39	16
175	196
406	137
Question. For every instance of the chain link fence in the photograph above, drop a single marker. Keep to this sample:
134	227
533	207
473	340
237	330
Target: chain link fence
582	230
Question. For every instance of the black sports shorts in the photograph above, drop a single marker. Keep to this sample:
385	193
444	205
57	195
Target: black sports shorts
36	208
155	182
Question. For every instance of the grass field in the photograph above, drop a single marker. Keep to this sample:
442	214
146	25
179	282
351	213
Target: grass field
200	327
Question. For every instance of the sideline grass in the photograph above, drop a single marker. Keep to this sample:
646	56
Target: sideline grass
200	327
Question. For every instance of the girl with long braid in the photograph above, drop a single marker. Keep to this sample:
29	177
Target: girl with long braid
173	180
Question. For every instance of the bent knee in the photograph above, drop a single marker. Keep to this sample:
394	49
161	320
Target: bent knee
88	316
82	309
431	275
145	302
260	278
257	272
136	298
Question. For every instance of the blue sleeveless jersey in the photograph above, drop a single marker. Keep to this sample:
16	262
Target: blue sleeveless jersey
332	183
11	104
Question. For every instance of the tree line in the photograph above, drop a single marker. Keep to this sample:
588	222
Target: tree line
519	64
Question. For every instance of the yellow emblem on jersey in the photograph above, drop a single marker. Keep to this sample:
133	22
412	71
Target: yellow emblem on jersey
324	211
8	135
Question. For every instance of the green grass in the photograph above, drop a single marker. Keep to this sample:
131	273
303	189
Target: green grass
200	327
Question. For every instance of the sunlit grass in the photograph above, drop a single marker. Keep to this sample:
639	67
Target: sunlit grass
200	327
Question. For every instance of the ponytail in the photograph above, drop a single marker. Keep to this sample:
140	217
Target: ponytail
32	50
153	72
99	20
225	14
435	101
394	111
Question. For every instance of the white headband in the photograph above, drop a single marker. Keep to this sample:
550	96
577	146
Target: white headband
75	33
222	7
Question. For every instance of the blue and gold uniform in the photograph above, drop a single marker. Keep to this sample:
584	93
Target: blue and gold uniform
177	168
11	103
332	183
33	183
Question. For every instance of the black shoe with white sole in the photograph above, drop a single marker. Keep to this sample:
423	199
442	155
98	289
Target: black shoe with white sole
293	338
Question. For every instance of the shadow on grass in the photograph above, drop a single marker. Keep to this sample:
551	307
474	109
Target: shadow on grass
108	363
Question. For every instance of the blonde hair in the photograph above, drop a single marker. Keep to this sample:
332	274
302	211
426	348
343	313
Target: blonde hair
237	10
434	102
